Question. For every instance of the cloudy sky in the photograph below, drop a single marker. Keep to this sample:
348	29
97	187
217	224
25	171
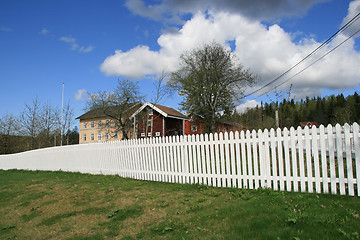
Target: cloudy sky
89	44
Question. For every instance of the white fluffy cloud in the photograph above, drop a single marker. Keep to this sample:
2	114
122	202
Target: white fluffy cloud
82	95
354	9
266	51
247	105
137	62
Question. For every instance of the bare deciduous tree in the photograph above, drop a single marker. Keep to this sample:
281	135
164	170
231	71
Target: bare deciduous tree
162	90
30	121
118	105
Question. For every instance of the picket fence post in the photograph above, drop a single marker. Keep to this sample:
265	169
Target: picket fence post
356	135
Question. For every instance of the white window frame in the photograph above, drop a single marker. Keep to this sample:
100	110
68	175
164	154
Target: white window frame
85	125
84	137
99	137
106	136
194	128
99	124
92	137
92	125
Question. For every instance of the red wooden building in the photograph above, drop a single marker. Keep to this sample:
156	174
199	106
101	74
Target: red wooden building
153	120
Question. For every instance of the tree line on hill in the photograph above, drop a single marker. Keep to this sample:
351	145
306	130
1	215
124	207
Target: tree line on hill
39	125
322	110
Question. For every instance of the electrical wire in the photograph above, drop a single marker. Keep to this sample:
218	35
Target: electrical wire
343	28
337	46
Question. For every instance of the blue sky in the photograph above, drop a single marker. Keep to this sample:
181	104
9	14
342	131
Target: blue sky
89	44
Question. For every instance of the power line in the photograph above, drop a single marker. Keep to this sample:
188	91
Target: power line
343	28
313	62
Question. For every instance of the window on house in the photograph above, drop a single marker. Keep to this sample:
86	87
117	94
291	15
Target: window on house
99	136
149	134
106	136
92	124
150	111
143	134
84	137
85	123
92	137
157	134
107	122
99	124
194	128
115	135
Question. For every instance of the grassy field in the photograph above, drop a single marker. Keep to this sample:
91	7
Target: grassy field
58	205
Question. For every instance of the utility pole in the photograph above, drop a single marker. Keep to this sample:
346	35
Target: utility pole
62	116
277	118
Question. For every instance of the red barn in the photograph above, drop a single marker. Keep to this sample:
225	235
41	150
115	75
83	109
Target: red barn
153	120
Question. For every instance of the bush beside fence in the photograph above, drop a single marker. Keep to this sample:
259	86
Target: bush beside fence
320	159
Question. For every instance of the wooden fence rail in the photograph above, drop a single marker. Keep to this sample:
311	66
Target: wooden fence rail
307	160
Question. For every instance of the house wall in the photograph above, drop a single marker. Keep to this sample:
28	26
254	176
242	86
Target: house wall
158	124
146	129
190	130
96	129
157	128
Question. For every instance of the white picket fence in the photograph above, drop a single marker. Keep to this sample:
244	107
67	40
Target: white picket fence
317	159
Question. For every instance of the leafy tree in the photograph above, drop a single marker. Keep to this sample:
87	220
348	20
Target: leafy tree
210	79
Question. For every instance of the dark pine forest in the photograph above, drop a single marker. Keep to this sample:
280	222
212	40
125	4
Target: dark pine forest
322	110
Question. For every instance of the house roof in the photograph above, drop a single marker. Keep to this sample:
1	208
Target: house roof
112	110
165	111
170	111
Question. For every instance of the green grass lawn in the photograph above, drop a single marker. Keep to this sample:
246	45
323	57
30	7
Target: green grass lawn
59	205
